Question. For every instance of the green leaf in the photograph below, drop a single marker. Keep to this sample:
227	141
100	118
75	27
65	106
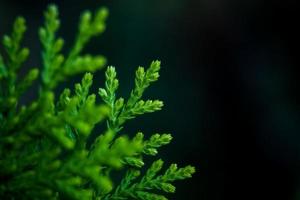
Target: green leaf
150	182
58	67
27	81
156	141
121	111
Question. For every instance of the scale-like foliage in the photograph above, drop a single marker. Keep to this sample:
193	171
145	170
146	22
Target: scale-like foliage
45	150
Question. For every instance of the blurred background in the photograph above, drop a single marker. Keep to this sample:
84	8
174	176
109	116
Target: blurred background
229	80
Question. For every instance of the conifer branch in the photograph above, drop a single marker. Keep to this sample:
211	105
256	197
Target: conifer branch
49	148
151	181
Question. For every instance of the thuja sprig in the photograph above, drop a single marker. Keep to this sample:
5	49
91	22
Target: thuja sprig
109	97
11	88
150	148
151	181
49	149
16	54
57	66
122	111
156	141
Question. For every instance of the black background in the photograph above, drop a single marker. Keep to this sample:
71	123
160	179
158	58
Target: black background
230	82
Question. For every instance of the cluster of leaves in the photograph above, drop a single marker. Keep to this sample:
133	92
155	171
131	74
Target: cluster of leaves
44	151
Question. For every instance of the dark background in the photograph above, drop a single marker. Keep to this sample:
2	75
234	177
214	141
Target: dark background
229	79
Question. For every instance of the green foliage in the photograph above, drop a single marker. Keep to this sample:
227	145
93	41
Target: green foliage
57	66
47	150
143	189
121	111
